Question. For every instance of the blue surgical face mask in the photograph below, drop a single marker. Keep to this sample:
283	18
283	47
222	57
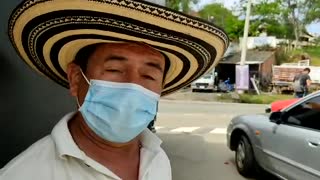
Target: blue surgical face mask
118	112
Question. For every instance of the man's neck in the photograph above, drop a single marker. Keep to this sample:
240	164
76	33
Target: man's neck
97	148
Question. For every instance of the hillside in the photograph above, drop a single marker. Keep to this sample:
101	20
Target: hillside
313	52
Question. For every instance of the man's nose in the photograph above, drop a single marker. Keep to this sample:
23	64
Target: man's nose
133	76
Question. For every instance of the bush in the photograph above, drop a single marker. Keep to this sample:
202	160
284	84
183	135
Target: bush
262	99
253	98
282	56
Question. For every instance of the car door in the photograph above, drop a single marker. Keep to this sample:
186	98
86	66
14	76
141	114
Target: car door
293	147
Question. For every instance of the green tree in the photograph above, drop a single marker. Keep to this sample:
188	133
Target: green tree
284	18
224	18
181	5
312	11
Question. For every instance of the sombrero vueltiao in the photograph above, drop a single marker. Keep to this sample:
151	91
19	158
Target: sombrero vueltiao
47	34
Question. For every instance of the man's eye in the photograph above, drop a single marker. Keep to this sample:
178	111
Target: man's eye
113	71
148	77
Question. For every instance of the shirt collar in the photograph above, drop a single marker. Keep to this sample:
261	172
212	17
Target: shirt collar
150	141
66	146
64	142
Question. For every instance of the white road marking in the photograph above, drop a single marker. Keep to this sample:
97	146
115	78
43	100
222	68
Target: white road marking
211	115
185	129
219	131
159	127
183	114
194	114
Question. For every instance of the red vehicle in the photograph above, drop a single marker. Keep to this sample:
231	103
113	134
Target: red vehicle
281	104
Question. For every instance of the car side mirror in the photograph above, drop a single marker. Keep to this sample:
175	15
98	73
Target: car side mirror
276	117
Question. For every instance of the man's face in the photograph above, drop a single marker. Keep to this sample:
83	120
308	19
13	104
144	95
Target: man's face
124	63
305	72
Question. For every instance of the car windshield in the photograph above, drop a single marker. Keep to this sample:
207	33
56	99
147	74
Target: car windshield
208	76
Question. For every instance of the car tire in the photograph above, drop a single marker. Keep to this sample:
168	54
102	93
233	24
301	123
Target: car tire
244	157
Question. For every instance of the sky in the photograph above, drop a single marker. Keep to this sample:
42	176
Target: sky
312	28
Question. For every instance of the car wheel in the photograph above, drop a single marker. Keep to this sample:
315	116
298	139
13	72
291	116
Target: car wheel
245	161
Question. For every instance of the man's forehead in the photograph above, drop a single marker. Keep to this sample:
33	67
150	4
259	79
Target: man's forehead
130	46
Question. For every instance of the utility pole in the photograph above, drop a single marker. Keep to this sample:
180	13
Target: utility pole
243	75
245	35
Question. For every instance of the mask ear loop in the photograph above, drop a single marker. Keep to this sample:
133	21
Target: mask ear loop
84	76
78	103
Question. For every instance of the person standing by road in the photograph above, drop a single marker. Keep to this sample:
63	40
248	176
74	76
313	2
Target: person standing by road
302	83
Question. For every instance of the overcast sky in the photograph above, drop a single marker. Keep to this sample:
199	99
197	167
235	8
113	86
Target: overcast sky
313	28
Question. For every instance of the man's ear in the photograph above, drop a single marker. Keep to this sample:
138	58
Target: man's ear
74	76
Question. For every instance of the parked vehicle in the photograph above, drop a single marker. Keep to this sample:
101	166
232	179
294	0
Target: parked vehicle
279	105
285	143
283	76
206	82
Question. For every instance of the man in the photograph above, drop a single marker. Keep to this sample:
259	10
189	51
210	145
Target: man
116	64
301	83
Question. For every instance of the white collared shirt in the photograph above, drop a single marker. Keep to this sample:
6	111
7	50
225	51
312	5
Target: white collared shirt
57	157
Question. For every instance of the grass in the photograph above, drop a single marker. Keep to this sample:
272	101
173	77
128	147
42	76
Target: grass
253	99
313	52
263	99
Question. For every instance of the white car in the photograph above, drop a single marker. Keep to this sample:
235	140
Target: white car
206	82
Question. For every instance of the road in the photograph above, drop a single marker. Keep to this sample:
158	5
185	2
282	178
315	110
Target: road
194	137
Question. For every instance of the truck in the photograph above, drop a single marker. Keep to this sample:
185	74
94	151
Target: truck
284	74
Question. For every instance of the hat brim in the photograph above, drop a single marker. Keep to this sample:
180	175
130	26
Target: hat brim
47	34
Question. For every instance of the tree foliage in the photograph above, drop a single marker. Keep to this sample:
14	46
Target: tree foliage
283	18
181	5
312	11
224	18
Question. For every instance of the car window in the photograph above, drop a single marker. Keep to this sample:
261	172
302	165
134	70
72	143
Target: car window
305	115
207	76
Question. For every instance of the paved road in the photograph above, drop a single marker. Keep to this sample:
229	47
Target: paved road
194	135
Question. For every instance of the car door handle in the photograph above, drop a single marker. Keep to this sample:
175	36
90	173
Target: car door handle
313	144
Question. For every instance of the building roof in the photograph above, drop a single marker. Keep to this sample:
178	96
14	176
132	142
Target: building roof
253	57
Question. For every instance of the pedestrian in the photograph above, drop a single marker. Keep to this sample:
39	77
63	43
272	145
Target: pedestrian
117	58
301	83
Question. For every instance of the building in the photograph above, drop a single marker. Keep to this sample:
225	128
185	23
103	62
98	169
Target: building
260	66
306	39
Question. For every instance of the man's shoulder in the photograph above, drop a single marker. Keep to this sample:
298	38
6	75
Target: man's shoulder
308	76
163	154
30	162
161	166
305	76
163	158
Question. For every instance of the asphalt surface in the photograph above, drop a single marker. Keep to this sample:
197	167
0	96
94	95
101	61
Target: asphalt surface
194	137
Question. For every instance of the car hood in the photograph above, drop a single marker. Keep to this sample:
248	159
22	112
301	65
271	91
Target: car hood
203	81
279	105
253	118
